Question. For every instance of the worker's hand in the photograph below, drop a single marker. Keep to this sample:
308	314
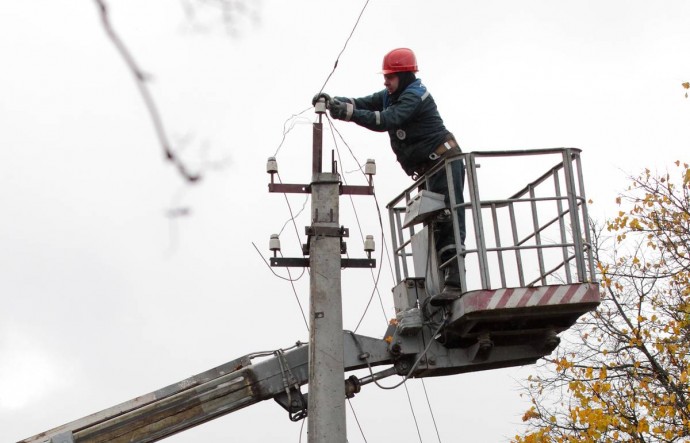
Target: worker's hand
320	95
341	110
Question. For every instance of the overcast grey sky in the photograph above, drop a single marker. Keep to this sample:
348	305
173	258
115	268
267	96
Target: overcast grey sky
105	298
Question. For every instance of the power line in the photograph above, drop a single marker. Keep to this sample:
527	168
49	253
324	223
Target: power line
433	419
414	416
293	119
361	431
294	290
376	200
290	279
294	224
359	225
383	236
293	217
335	65
271	268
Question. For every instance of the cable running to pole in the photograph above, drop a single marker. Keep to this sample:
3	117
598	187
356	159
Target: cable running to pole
335	65
359	425
376	277
414	416
292	283
293	119
378	206
383	236
433	418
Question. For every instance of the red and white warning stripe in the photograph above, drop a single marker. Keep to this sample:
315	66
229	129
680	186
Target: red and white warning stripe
525	297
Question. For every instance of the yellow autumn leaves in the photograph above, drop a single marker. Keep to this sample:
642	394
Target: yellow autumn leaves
625	376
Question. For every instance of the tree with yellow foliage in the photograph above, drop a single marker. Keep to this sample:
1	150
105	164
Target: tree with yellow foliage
622	374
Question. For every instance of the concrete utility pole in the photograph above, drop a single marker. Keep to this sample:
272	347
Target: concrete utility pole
325	246
326	410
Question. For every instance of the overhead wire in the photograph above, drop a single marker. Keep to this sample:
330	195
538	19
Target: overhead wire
335	65
271	268
289	125
293	119
414	416
304	269
290	279
293	217
376	200
431	411
383	236
359	225
294	290
361	431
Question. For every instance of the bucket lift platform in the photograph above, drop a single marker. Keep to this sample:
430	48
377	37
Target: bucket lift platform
527	263
512	315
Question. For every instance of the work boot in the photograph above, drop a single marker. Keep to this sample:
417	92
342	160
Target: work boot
451	287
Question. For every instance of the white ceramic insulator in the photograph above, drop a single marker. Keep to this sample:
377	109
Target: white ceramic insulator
370	167
274	243
369	245
272	165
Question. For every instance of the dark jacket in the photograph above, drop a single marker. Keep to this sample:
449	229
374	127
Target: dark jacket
412	120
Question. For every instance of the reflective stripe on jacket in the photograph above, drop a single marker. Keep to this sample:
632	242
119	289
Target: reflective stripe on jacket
413	123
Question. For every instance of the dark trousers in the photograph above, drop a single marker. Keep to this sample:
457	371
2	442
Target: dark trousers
443	234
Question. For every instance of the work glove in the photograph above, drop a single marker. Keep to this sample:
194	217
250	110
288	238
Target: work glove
318	96
341	110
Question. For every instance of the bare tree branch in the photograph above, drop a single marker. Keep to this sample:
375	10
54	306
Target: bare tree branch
140	79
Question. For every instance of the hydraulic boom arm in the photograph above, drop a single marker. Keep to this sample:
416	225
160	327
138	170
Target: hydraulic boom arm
211	394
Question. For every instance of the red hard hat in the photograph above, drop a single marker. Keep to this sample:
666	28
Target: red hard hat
399	60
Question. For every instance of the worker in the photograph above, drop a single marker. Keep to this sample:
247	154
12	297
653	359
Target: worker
419	139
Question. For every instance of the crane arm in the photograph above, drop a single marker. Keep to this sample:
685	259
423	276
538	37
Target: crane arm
211	394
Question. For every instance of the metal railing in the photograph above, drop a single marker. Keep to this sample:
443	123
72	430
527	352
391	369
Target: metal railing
536	236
